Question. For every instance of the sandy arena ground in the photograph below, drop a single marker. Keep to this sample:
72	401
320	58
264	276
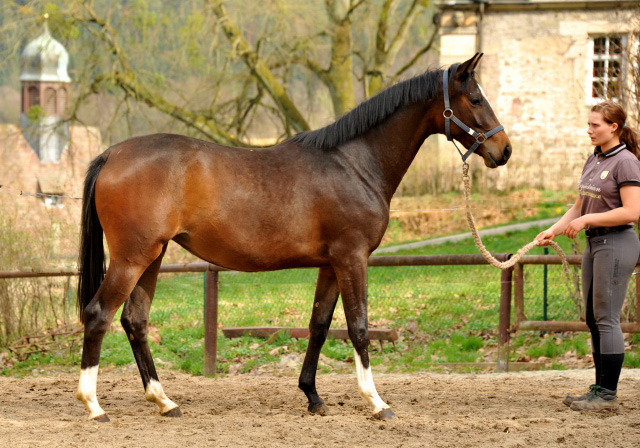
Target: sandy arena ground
434	410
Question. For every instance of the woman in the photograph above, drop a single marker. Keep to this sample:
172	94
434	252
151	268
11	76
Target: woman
607	205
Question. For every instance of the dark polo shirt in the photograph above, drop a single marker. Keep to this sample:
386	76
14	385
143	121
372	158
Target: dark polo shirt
603	175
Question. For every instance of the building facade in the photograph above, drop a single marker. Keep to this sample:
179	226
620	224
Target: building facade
545	64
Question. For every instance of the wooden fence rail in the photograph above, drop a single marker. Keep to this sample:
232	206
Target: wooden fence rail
512	289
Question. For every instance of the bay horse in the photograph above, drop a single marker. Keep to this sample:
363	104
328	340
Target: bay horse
320	199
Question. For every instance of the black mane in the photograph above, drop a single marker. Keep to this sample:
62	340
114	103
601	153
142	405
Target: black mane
375	110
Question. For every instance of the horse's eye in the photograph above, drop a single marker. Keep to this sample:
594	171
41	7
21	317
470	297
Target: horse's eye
476	101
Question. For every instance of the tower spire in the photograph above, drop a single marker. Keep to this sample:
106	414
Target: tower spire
45	94
46	24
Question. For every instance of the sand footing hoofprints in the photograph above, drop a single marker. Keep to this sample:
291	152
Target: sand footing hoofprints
434	410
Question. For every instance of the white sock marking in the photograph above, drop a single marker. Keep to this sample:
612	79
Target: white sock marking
155	394
366	386
87	391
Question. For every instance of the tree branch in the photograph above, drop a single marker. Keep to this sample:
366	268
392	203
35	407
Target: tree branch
127	80
354	6
415	57
385	54
258	68
403	29
128	83
381	34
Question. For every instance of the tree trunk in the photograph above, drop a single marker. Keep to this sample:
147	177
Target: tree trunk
341	68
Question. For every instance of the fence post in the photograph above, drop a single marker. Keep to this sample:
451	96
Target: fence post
518	294
506	278
210	322
545	287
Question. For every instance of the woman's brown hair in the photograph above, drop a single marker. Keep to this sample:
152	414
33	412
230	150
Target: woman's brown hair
612	112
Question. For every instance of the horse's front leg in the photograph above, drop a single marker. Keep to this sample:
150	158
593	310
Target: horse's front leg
352	279
323	306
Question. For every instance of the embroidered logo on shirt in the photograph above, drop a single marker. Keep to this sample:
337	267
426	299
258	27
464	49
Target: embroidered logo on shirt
604	175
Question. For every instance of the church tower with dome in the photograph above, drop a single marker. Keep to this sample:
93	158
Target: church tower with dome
45	96
45	156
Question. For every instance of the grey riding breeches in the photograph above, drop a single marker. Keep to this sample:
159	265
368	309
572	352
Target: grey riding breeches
607	264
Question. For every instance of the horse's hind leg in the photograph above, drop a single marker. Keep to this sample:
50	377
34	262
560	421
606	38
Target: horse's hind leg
97	316
135	321
323	306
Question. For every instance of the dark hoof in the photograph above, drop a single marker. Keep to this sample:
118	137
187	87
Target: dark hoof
101	418
385	414
175	412
319	409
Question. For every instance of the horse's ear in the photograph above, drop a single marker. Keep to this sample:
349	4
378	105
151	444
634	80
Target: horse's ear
465	69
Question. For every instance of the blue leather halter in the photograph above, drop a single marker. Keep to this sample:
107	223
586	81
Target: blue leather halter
448	116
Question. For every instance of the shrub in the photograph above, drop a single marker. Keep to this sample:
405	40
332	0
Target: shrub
31	238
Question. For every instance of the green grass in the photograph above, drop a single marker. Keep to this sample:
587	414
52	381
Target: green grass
552	346
446	315
550	204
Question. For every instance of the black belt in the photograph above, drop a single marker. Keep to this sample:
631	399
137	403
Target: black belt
599	231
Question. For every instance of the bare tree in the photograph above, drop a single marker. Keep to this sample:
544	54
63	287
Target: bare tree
336	71
225	72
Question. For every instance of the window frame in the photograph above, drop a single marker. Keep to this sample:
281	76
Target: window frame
591	58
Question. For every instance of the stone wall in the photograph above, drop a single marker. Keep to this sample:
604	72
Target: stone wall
534	72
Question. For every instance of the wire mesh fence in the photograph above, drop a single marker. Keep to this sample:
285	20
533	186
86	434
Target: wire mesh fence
34	304
397	296
433	300
553	296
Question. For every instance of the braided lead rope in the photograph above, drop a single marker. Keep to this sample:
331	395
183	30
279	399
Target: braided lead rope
476	237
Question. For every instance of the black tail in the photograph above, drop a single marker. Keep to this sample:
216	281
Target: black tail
91	262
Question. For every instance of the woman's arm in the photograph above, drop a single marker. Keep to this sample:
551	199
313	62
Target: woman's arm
628	212
546	236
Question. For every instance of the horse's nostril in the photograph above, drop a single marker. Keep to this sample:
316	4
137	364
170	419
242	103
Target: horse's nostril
507	151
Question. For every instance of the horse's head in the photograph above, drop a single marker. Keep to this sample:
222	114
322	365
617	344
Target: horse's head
469	108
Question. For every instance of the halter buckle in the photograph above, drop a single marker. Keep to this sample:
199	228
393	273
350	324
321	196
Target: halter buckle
449	110
480	138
